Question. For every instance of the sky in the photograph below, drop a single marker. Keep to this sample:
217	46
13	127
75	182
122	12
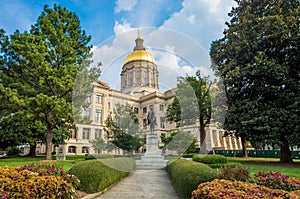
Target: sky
178	33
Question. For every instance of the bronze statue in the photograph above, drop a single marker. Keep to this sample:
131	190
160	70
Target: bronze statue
151	120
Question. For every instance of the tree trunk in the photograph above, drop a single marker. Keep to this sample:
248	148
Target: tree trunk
244	148
202	140
285	156
49	143
32	150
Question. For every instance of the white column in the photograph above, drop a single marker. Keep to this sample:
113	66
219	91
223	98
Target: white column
224	141
217	135
229	142
209	139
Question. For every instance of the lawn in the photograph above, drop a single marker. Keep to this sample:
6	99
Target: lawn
254	164
20	161
266	164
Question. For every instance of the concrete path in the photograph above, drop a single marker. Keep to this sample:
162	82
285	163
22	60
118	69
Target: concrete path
147	184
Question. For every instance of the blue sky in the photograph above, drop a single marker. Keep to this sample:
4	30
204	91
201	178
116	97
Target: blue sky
177	32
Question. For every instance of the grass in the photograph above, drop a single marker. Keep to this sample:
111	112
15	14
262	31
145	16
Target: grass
255	168
20	161
73	160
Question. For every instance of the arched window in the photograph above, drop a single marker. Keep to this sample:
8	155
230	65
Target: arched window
72	149
85	149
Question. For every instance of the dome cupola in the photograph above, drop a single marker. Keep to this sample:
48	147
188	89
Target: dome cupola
139	74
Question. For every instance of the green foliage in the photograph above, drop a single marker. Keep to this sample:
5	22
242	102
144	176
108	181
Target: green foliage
12	150
174	112
37	75
123	130
192	103
187	175
229	164
99	144
96	175
98	156
26	184
239	173
210	159
258	61
179	141
276	180
187	155
226	189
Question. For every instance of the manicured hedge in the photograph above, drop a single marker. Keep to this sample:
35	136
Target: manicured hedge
187	155
229	164
210	159
187	175
220	189
96	175
98	156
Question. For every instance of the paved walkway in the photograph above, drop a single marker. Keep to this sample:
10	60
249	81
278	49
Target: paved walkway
147	184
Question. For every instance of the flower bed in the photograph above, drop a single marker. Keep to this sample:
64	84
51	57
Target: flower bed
25	183
226	189
276	180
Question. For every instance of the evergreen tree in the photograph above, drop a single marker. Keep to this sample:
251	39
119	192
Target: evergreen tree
259	63
39	68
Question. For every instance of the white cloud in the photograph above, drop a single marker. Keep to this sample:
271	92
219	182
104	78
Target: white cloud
207	16
126	5
121	28
191	19
213	5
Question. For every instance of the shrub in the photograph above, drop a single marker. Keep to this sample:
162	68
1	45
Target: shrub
187	155
98	156
226	189
12	150
210	159
26	184
275	180
230	164
239	173
96	175
186	175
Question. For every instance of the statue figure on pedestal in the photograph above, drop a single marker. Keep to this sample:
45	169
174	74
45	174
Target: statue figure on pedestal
151	120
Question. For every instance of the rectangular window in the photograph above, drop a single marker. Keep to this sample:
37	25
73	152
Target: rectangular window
161	107
99	99
87	112
89	99
98	116
86	133
73	134
144	109
162	122
145	78
145	123
98	133
136	110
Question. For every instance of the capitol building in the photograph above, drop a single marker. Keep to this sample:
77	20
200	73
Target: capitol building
140	89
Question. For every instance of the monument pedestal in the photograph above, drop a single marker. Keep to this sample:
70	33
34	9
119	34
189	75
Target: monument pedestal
152	159
61	153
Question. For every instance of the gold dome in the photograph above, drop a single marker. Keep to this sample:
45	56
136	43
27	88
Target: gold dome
137	55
